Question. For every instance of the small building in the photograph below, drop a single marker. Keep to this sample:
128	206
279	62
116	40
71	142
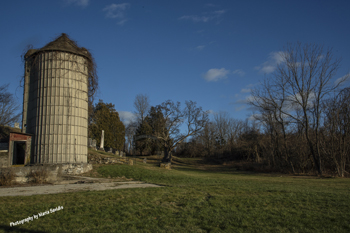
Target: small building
19	149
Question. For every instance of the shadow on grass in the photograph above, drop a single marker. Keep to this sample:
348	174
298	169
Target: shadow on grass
17	229
218	169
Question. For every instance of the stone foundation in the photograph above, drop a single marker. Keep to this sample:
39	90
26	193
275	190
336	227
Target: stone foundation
4	159
99	159
52	171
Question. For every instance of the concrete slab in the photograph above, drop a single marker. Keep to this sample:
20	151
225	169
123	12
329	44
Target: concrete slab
75	185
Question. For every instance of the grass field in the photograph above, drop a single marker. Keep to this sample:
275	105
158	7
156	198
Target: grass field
195	198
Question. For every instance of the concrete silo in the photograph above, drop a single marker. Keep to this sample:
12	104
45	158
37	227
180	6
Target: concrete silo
55	102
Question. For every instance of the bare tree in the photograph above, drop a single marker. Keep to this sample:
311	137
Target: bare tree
336	136
296	90
222	121
191	116
130	130
234	130
8	107
208	137
142	106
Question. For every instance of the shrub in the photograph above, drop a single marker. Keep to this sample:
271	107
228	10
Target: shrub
38	176
7	177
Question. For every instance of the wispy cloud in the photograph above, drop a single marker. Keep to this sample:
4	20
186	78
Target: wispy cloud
246	100
126	117
239	72
243	98
254	117
237	109
195	18
342	80
275	58
246	90
220	12
117	11
294	101
122	22
205	17
82	3
214	75
200	47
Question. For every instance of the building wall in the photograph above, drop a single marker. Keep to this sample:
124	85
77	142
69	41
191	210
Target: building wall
56	106
4	159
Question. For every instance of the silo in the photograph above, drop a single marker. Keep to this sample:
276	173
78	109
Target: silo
55	102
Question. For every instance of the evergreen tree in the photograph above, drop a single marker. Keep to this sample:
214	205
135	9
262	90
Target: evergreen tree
156	121
144	143
106	118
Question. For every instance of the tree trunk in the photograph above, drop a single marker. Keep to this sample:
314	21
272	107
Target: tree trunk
315	154
167	155
317	158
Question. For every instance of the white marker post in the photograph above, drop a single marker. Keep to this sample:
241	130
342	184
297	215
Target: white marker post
102	140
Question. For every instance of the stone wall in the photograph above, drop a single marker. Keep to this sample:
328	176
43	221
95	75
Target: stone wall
4	159
98	159
53	171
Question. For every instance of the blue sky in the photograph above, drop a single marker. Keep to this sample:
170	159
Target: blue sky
211	52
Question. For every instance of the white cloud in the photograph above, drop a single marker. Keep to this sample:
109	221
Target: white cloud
246	100
117	11
237	109
126	117
122	22
206	17
342	80
82	3
200	47
195	18
218	13
275	58
214	75
252	84
246	90
293	101
254	117
239	72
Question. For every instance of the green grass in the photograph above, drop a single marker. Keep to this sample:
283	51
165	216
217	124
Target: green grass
192	200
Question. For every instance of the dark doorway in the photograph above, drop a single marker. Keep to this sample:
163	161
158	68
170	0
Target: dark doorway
19	152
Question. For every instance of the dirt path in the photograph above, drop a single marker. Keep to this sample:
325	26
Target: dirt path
74	184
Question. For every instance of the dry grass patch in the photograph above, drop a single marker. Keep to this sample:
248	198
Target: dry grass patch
7	177
38	176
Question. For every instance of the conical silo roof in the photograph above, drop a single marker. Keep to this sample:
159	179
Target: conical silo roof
62	43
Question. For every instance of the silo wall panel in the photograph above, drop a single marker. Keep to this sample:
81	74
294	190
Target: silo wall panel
57	108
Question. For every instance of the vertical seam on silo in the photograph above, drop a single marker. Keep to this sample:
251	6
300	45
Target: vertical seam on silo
39	118
48	108
37	154
47	117
67	125
58	87
45	111
42	111
52	110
